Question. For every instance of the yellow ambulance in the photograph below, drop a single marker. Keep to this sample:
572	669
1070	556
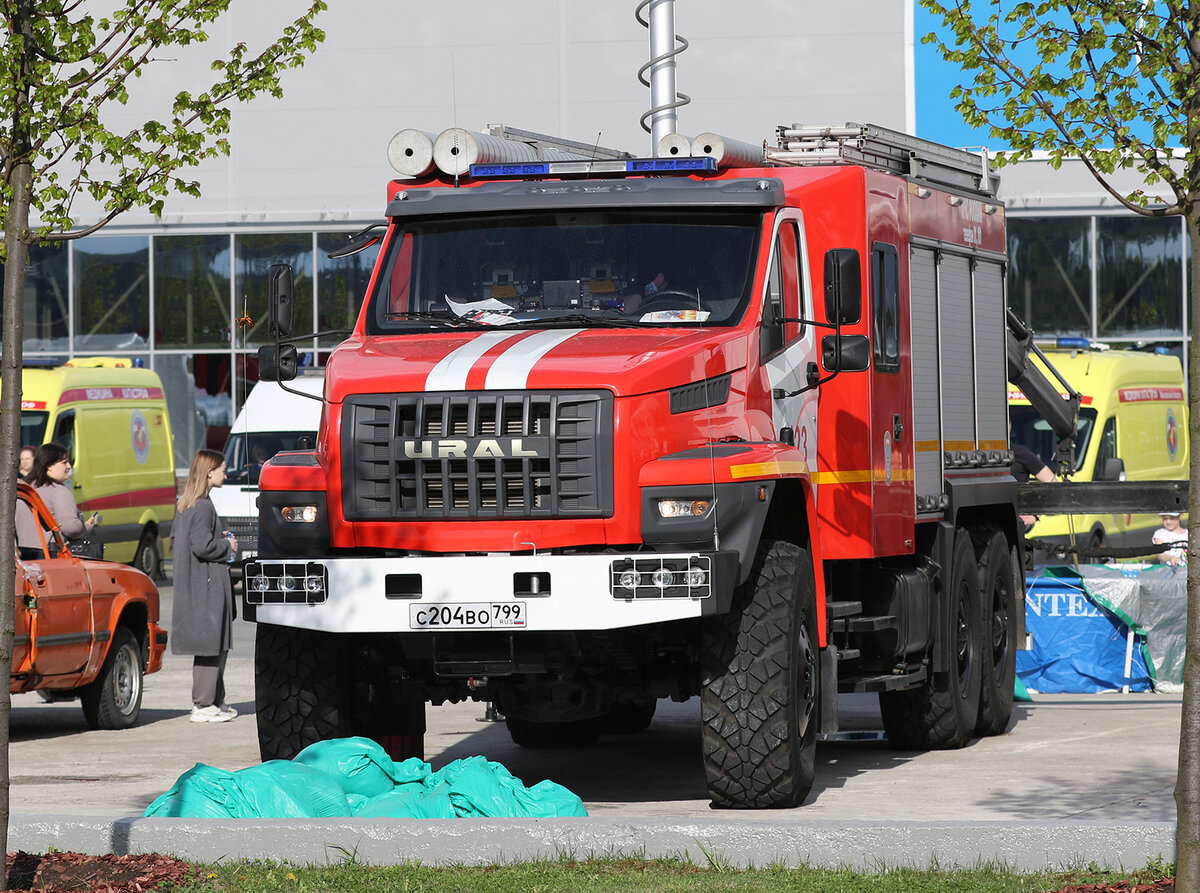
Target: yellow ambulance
1132	422
112	418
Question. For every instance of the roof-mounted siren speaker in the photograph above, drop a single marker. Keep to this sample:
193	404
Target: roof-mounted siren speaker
455	150
674	145
410	152
728	152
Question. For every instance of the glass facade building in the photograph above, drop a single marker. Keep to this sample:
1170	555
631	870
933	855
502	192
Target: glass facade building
191	307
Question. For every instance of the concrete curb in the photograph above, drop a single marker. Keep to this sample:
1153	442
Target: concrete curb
739	843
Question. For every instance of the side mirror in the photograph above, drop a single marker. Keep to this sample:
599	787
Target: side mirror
846	353
277	364
1113	470
280	300
843	286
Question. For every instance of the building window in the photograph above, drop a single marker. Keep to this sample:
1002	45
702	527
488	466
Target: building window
191	291
112	293
1049	273
255	255
1139	278
341	284
46	308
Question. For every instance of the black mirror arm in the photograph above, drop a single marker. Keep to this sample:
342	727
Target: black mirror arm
805	322
780	393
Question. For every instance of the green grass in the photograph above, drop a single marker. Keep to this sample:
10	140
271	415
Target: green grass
628	874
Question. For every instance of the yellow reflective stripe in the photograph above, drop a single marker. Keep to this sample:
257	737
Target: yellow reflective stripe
960	445
993	444
861	476
767	469
927	446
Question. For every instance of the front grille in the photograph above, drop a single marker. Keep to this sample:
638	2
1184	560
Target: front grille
493	454
246	531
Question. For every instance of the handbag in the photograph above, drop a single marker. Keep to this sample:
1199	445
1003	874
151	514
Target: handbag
86	548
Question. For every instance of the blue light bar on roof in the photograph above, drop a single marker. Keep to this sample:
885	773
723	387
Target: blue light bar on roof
705	164
1072	343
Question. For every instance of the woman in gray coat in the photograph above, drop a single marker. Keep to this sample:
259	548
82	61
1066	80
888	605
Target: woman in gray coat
202	614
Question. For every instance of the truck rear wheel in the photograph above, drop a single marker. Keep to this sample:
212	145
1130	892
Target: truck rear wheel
758	708
941	713
114	699
297	697
998	583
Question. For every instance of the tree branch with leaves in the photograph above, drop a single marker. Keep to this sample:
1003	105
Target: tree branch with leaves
1116	85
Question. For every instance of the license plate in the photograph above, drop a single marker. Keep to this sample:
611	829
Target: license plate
474	615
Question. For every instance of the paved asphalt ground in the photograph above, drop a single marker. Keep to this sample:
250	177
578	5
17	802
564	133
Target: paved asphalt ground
1077	779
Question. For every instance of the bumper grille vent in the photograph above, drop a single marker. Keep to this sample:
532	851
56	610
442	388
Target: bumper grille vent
493	454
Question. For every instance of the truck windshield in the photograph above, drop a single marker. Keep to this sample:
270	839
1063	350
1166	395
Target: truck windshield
604	268
1031	430
246	453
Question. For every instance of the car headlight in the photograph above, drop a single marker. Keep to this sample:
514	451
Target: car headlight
683	508
299	514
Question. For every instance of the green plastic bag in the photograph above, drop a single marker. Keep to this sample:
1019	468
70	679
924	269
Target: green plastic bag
360	765
203	793
287	789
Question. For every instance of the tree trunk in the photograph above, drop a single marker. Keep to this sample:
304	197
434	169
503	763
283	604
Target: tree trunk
16	228
1187	782
16	245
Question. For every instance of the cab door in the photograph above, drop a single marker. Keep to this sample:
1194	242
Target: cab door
789	351
54	607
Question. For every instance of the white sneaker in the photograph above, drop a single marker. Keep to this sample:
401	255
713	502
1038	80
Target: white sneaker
212	713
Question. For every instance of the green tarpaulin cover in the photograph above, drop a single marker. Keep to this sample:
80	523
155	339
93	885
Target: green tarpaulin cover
356	777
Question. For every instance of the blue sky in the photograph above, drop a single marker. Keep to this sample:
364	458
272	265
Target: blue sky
937	118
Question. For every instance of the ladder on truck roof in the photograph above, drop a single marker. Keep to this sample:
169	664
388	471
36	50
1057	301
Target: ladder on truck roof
883	149
542	141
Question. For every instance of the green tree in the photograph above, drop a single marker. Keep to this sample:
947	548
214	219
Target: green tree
65	65
1115	84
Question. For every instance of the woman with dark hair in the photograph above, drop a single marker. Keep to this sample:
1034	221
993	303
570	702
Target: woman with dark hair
51	471
202	615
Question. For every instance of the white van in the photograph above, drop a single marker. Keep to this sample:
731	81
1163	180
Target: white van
271	420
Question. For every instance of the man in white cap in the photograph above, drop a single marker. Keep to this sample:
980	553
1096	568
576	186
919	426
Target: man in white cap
1172	532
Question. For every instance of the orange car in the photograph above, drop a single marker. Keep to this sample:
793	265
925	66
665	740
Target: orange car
84	627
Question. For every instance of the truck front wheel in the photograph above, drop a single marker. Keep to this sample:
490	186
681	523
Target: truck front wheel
297	697
941	713
114	699
758	708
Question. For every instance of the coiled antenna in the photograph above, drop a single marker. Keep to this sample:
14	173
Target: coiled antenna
664	98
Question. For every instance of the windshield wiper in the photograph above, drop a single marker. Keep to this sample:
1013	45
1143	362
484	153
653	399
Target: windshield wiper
574	319
439	316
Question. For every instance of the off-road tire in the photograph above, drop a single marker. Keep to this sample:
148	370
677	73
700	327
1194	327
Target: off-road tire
941	713
114	699
576	733
297	697
628	717
1001	600
759	704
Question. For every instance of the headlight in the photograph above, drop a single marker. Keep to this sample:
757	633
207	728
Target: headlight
299	514
681	508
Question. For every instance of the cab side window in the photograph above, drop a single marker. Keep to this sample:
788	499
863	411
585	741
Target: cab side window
784	300
885	298
64	433
1107	448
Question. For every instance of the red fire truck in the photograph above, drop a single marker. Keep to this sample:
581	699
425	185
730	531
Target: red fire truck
611	430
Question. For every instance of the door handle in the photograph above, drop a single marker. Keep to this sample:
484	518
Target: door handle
897	428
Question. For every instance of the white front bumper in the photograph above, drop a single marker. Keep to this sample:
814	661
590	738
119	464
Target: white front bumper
580	597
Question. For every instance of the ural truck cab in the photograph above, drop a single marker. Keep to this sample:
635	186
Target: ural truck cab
612	431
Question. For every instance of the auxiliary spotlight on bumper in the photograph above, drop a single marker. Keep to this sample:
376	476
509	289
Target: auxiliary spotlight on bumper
285	583
638	578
